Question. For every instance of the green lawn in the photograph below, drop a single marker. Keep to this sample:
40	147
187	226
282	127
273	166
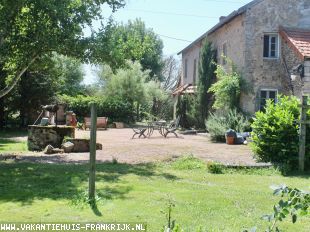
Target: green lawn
138	193
8	143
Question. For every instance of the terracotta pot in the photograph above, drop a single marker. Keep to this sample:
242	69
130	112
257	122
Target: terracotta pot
230	140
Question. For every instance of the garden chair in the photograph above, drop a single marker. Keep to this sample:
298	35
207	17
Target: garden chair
139	131
172	127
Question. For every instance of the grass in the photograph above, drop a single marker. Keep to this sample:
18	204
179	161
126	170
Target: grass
8	143
231	201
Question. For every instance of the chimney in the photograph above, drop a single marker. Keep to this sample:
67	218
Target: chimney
222	18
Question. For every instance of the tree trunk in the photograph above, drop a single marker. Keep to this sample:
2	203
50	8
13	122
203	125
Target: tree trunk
18	75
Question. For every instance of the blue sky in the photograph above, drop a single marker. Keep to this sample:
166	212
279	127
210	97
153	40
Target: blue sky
180	19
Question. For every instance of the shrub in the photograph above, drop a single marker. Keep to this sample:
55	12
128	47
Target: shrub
113	108
188	163
220	121
275	133
215	168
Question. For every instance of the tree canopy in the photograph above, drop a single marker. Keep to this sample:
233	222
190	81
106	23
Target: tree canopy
131	41
32	28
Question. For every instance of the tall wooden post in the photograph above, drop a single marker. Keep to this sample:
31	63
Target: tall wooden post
302	135
92	157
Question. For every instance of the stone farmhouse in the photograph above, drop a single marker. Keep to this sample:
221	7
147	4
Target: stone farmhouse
268	41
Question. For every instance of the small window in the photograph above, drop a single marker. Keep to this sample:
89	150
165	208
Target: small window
267	95
185	68
194	72
271	46
224	54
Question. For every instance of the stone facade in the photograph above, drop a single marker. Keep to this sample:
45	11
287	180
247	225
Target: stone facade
41	136
243	37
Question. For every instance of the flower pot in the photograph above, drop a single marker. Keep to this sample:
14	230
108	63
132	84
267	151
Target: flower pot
230	140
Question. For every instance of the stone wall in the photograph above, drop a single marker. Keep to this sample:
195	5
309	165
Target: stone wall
41	136
190	55
266	17
306	87
244	38
231	34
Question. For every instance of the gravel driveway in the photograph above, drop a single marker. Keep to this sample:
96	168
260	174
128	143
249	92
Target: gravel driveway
117	143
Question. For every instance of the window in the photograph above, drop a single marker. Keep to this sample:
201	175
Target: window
271	46
224	54
265	95
194	72
185	68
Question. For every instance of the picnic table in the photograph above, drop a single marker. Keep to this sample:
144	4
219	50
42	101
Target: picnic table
156	125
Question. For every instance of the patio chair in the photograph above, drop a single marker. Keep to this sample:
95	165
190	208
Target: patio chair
139	131
172	127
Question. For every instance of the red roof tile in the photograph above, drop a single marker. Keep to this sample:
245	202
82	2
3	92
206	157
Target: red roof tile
298	39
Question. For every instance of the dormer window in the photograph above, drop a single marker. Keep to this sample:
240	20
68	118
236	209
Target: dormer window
271	46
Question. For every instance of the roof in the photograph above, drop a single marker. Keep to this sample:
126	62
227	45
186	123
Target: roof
298	39
185	89
225	20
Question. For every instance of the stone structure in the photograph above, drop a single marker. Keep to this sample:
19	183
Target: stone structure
81	145
41	136
254	38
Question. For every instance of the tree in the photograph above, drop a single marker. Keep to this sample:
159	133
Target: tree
171	73
32	28
206	75
69	74
132	41
131	84
228	88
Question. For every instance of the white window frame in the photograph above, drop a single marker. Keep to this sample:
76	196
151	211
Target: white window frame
267	96
278	42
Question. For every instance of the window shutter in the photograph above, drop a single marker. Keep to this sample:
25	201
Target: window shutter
266	46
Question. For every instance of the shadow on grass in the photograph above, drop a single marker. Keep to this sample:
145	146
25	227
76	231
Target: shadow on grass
26	182
13	133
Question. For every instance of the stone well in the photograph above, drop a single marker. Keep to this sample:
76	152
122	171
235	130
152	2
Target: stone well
41	136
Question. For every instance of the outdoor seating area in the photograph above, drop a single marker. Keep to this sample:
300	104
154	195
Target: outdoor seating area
160	126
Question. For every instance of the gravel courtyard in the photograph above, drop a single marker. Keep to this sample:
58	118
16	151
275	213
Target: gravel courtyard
117	144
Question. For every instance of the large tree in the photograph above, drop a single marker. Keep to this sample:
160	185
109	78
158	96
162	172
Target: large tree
131	41
32	28
207	76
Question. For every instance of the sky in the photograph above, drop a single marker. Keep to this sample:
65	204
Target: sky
177	22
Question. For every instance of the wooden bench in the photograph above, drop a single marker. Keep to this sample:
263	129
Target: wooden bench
102	122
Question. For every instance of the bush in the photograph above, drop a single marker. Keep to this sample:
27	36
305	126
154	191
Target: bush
219	122
113	108
215	168
275	133
188	163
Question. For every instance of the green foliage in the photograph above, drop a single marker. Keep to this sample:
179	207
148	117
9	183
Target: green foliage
294	203
188	163
215	168
275	133
69	75
206	75
34	28
222	120
132	41
132	85
187	110
113	108
228	88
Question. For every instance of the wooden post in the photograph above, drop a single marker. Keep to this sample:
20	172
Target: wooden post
302	135
92	157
